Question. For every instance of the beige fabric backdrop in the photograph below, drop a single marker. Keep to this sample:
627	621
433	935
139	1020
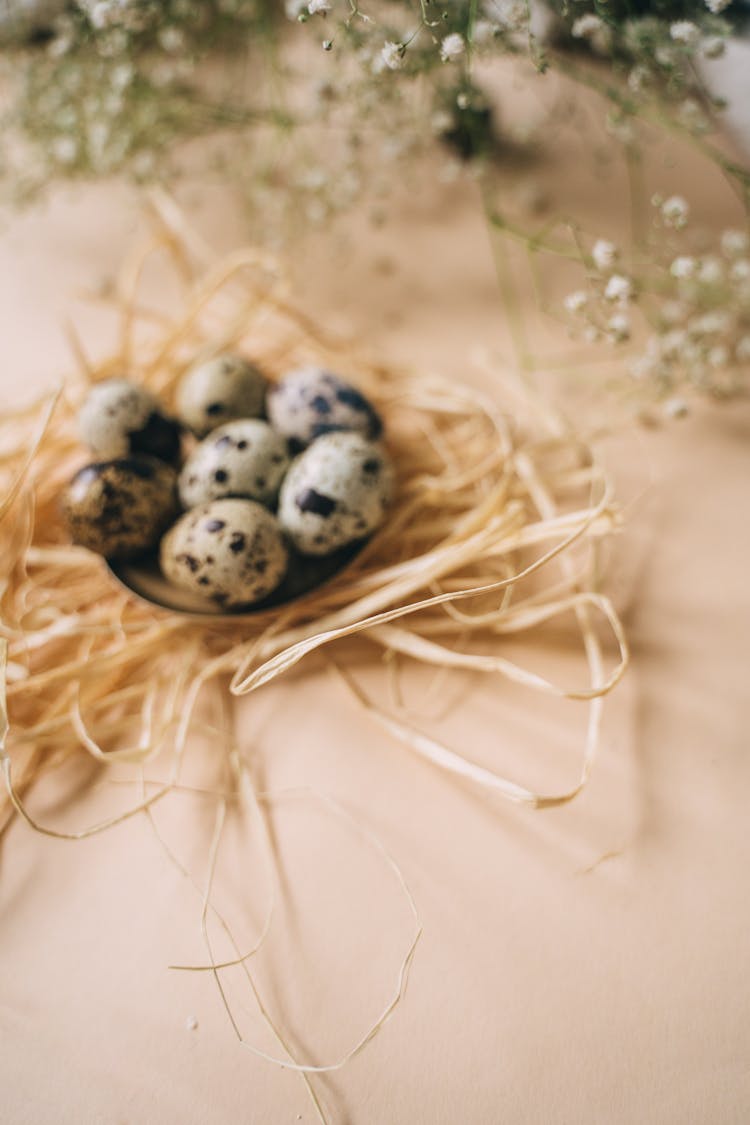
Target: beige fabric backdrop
578	966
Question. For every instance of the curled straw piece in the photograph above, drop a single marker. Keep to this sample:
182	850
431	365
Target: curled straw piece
494	532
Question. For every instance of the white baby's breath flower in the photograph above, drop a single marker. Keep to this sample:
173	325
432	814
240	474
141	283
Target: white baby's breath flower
716	6
618	288
604	254
734	242
644	367
594	30
618	327
172	40
742	350
576	301
710	270
452	47
295	8
713	47
60	46
676	407
672	343
440	122
483	33
665	55
508	14
682	267
113	44
122	76
684	31
710	323
740	270
638	78
675	211
65	149
100	15
672	312
392	55
585	26
319	7
110	13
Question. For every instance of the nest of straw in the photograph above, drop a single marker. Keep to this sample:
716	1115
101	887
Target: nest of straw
486	500
496	530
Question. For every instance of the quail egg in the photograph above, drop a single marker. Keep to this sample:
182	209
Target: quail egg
335	493
120	508
219	390
119	419
243	458
311	401
232	551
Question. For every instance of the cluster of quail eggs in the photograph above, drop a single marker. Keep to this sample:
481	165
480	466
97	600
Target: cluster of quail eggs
277	476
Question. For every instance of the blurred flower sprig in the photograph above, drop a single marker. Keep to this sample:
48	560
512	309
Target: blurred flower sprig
687	310
97	87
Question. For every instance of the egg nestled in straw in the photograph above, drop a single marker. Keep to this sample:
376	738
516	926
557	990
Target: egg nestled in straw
311	401
245	458
120	418
219	390
335	493
120	508
231	551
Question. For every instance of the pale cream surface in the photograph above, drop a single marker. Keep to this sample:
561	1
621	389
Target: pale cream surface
578	966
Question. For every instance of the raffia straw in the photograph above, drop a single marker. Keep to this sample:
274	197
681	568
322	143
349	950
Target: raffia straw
257	802
494	533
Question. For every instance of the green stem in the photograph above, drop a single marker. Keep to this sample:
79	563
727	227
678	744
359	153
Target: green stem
524	356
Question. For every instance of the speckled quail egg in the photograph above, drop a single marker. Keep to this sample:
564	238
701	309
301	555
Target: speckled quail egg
219	390
229	550
120	508
245	458
311	401
336	492
119	419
